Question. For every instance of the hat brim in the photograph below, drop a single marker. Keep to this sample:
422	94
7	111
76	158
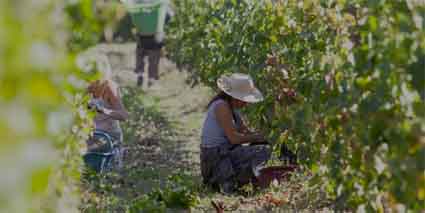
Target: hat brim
254	96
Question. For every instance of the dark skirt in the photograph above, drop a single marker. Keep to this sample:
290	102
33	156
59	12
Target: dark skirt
232	163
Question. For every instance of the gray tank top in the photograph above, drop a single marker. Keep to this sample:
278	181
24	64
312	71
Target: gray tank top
212	133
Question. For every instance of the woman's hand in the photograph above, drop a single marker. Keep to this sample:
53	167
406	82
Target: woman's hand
259	138
97	105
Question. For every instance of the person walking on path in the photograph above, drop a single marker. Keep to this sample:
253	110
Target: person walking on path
149	46
225	162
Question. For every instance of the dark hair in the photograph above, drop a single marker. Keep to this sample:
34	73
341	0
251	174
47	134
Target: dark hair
222	95
225	97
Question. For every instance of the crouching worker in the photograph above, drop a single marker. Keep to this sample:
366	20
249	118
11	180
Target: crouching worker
103	148
225	163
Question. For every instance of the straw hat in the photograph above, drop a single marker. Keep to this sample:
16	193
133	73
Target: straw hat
240	86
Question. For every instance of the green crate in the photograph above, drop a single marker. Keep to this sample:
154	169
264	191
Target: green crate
147	17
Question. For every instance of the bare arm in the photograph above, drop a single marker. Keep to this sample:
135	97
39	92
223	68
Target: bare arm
118	110
224	117
244	129
119	113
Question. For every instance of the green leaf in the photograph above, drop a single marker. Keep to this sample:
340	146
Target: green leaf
40	180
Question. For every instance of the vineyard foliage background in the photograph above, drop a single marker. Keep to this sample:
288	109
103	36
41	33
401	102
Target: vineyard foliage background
43	124
344	84
34	111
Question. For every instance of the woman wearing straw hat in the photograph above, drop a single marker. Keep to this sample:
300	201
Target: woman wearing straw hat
225	162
